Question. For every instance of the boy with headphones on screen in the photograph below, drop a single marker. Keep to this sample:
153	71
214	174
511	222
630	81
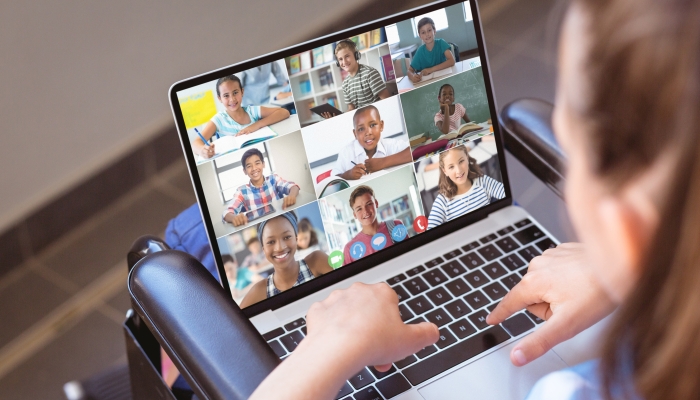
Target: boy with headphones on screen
364	85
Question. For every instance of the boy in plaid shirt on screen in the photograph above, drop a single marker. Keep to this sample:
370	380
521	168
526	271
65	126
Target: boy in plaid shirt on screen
261	190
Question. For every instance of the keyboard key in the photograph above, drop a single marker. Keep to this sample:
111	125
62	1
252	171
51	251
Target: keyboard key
273	334
476	279
506	244
401	292
458	309
369	393
506	230
435	277
415	271
534	317
470	246
435	262
416	320
522	223
439	296
455	355
405	313
510	281
529	234
361	379
454	253
393	386
303	330
439	317
479	319
512	262
297	323
416	285
545	244
471	260
523	271
445	339
458	287
492	307
419	305
495	270
488	238
428	350
406	361
380	375
476	299
344	391
462	328
396	279
292	340
495	291
528	253
490	252
453	269
518	324
277	348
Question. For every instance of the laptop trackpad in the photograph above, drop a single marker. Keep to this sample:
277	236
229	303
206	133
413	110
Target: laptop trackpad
492	377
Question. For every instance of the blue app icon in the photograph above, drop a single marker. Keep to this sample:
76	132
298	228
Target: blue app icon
399	233
357	250
378	241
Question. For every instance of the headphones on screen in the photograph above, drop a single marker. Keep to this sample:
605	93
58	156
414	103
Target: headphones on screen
351	44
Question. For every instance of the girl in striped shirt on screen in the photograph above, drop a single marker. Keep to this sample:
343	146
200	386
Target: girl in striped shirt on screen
463	187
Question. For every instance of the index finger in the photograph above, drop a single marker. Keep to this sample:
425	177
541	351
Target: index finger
521	296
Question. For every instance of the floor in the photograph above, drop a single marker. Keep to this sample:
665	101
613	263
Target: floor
61	312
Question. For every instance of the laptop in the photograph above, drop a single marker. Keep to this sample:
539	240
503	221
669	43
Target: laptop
438	224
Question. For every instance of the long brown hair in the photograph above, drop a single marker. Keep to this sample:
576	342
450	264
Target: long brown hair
448	188
643	66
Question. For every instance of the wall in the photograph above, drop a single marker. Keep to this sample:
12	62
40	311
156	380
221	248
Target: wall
84	83
459	32
288	161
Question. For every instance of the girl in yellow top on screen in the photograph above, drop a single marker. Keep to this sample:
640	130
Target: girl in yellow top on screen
364	85
433	55
236	120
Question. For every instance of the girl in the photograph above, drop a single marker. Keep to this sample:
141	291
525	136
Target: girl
307	236
433	55
454	112
462	187
278	236
627	115
236	120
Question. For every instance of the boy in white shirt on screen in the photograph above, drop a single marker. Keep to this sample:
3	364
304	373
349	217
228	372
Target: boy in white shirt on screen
368	152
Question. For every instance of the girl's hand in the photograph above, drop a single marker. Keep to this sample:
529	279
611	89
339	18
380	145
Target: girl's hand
363	323
445	109
207	151
248	129
561	288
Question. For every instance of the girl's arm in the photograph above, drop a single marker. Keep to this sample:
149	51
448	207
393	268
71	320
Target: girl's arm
200	148
465	117
256	294
444	125
270	115
349	330
446	64
438	212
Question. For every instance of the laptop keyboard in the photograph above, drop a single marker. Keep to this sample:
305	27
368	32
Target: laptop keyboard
455	292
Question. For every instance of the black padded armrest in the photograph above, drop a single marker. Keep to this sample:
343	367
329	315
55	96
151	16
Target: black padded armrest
213	345
528	135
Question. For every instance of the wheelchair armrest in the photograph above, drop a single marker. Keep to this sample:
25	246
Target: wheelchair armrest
528	135
212	343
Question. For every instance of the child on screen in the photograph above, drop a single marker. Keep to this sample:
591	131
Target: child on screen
454	112
463	187
433	55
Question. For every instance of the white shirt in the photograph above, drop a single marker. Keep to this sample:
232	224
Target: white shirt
354	152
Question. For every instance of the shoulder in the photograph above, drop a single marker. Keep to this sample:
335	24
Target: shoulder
440	200
398	222
394	145
252	110
460	107
442	43
579	382
318	262
257	293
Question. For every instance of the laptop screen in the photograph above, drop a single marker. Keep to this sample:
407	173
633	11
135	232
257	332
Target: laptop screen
338	150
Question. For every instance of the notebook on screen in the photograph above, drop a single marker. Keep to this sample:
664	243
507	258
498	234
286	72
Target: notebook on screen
441	228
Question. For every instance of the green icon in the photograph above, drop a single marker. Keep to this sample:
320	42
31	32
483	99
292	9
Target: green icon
336	259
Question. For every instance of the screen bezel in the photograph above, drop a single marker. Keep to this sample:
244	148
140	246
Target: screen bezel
370	261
